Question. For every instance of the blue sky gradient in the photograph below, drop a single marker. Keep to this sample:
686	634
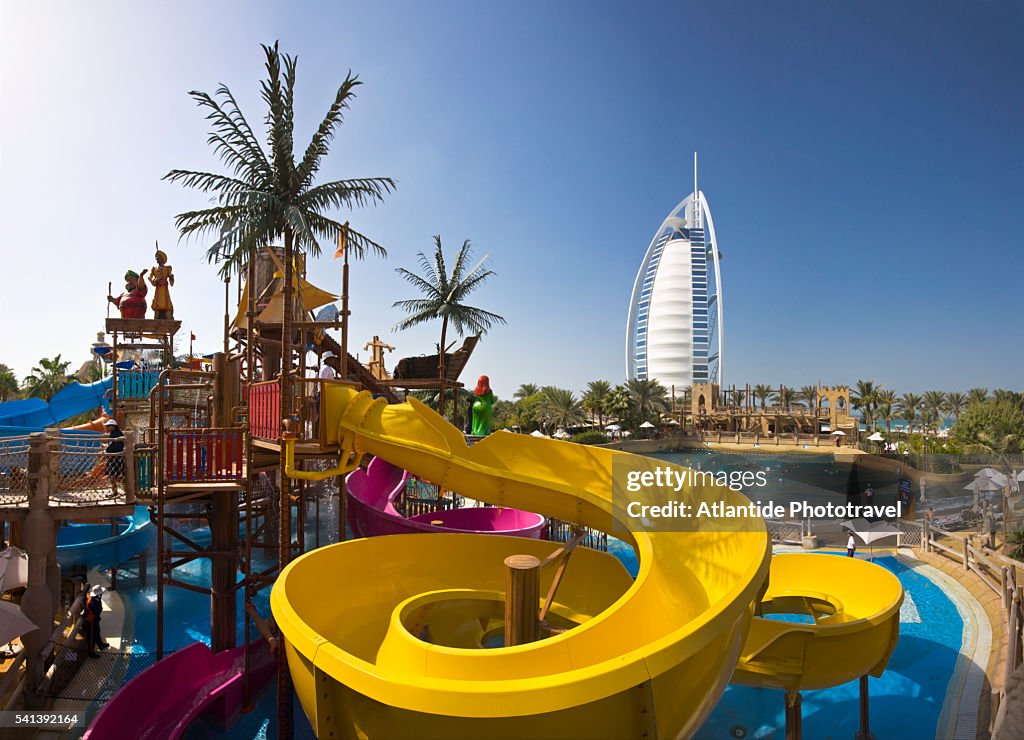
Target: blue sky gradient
863	162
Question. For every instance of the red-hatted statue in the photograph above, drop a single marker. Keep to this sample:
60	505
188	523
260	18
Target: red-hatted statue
483	407
132	303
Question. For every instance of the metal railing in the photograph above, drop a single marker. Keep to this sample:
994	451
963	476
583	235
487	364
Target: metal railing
136	384
265	409
13	470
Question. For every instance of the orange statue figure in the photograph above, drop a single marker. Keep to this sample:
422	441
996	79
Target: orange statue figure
162	277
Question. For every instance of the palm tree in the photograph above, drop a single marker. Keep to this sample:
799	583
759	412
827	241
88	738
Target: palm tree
784	396
596	398
526	390
266	194
886	408
1002	394
977	395
46	378
8	383
865	397
956	403
444	297
619	403
934	403
807	395
762	393
648	399
561	407
909	404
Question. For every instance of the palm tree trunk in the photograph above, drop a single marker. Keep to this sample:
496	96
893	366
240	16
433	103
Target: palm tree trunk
440	366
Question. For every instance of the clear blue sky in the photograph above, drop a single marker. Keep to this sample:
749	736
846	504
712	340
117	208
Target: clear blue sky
863	161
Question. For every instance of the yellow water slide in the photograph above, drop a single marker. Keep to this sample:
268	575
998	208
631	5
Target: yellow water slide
389	636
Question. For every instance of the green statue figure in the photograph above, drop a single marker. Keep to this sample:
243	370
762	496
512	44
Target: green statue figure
483	407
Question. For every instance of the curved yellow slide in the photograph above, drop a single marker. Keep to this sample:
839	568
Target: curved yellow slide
388	637
852	608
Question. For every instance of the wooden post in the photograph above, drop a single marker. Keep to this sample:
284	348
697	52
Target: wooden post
967	545
865	729
925	535
343	246
794	716
1004	578
37	602
522	595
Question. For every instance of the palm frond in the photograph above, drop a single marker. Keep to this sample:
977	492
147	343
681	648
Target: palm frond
318	145
347	193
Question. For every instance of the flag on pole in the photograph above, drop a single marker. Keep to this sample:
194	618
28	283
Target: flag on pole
193	337
342	242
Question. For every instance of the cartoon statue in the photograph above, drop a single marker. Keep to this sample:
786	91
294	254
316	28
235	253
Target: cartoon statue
161	277
483	407
132	303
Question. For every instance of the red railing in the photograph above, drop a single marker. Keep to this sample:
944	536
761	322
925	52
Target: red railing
265	409
194	455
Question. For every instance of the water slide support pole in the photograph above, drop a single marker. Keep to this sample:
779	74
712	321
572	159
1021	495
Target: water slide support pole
37	603
522	594
865	730
794	716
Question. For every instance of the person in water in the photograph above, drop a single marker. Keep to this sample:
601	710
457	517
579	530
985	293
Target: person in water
132	302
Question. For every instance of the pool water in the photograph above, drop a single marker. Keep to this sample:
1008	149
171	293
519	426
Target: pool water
905	702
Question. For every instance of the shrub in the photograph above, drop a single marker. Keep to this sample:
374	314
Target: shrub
592	437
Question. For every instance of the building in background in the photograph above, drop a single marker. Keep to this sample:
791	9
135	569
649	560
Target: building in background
674	330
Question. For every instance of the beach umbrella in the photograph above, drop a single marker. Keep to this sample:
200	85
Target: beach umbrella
12	622
612	428
870	532
13	569
538	433
838	433
994	474
876	437
561	434
983	484
647	425
675	423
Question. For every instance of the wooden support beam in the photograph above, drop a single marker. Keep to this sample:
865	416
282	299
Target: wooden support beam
522	593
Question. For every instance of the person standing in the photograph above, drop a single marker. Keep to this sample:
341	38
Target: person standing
851	546
93	615
327	368
869	499
114	466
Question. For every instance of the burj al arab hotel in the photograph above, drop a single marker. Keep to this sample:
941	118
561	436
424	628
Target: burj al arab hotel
674	330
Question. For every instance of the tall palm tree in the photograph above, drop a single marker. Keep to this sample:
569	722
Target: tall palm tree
8	383
526	390
561	407
648	399
762	393
956	403
977	395
1002	394
619	403
596	398
266	194
934	403
909	404
886	408
46	378
865	397
444	297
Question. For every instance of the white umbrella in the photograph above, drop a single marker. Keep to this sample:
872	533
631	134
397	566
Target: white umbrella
994	474
647	425
12	622
870	532
838	433
675	423
561	434
876	437
538	433
627	434
612	428
13	569
983	484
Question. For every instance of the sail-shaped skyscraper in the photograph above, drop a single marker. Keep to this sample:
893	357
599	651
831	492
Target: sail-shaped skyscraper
674	329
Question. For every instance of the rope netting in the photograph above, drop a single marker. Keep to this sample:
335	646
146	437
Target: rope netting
13	470
87	474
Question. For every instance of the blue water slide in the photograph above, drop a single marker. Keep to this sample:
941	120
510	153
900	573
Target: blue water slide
107	544
34	414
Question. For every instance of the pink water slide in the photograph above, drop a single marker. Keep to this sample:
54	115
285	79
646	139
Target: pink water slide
371	509
162	701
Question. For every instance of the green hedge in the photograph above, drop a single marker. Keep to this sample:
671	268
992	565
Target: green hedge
592	437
